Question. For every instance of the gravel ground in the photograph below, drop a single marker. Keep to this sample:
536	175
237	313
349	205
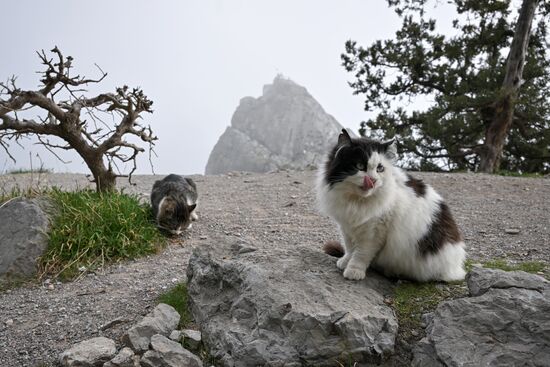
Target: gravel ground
38	321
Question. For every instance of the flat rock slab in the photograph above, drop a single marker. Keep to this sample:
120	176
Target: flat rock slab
23	237
506	325
480	280
275	307
89	353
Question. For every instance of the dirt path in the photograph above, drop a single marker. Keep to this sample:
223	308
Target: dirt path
37	323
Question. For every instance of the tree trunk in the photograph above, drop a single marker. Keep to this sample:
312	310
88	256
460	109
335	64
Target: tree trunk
503	108
105	181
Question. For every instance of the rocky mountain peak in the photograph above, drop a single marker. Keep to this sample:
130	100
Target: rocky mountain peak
284	128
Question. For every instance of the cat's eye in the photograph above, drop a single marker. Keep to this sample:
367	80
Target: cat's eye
360	166
380	168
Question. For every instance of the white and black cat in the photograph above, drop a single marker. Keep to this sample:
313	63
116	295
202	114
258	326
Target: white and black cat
174	200
387	218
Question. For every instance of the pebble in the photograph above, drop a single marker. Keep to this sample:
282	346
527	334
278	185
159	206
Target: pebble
9	322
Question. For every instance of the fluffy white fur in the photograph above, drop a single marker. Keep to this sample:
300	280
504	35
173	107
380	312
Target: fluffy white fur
383	225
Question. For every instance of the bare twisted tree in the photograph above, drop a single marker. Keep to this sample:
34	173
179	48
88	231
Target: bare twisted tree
102	146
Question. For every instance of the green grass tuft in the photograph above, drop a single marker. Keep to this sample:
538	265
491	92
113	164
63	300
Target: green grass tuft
16	191
19	171
92	229
412	300
177	298
527	266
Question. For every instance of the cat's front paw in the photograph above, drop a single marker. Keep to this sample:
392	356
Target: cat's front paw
354	273
342	262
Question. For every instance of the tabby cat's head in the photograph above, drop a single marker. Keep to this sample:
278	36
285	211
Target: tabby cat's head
360	166
174	215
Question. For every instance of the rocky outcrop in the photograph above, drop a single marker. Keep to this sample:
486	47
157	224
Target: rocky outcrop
272	307
23	236
506	322
284	128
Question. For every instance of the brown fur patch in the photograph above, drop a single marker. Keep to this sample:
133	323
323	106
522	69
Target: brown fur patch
418	186
442	230
333	248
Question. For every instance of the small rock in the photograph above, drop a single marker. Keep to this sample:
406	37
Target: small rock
124	358
512	230
191	339
51	287
9	322
166	352
162	320
203	237
175	335
91	352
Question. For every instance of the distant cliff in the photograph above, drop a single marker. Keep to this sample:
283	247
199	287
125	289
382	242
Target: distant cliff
284	128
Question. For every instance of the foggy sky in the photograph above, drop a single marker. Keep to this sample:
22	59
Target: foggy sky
194	59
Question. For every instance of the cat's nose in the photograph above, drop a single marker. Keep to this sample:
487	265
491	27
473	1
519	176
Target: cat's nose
368	182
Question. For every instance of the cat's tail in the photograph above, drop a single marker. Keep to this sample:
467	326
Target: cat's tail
334	248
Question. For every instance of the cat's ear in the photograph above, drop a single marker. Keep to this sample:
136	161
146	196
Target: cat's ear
192	207
344	138
390	149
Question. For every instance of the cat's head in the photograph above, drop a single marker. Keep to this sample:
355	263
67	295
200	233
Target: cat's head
174	215
360	166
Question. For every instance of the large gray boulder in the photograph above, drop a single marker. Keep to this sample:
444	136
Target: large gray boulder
284	128
506	324
275	307
23	236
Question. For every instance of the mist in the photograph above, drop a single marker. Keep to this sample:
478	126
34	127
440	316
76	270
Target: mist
194	59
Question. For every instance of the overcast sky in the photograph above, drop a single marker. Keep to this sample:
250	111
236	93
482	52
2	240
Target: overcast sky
194	59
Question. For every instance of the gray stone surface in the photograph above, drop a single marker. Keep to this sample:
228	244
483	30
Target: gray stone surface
274	307
88	353
284	128
192	339
165	352
506	325
23	237
175	335
124	358
480	280
162	320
